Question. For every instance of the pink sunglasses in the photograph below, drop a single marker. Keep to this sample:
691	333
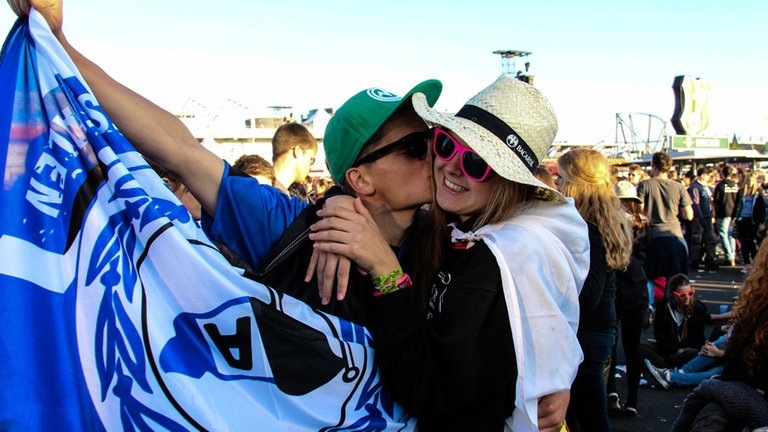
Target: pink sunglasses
472	165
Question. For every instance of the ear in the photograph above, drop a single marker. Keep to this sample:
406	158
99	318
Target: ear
357	180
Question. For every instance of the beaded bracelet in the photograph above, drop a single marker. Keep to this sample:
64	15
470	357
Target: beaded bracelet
391	282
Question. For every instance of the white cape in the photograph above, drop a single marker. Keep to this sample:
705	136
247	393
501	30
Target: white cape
543	257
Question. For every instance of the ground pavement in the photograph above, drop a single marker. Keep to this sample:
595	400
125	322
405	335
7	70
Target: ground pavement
659	408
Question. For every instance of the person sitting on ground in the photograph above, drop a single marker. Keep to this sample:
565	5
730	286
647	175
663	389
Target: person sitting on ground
678	327
708	363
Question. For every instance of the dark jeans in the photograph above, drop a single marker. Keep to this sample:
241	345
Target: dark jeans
666	256
747	235
631	325
667	361
587	410
702	242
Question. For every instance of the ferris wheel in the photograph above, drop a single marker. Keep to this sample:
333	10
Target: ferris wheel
639	133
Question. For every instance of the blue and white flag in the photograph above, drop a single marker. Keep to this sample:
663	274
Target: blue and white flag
118	313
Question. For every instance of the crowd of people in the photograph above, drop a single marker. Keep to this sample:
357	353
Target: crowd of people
493	289
691	227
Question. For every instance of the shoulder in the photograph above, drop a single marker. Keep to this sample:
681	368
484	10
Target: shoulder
550	235
700	308
476	259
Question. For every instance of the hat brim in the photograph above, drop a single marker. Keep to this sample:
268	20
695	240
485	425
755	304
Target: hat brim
632	198
485	143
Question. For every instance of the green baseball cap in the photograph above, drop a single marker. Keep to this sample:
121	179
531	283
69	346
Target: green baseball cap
360	117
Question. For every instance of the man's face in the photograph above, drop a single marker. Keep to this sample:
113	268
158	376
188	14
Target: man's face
305	159
401	180
634	177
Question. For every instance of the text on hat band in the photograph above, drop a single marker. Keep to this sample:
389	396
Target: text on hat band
502	131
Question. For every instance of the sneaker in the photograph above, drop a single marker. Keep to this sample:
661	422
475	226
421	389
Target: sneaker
657	376
613	402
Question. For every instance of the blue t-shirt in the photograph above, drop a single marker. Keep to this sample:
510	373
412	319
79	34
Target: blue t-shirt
250	217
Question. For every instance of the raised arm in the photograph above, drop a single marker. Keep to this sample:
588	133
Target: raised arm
156	133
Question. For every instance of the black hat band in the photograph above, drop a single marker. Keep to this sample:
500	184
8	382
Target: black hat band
502	131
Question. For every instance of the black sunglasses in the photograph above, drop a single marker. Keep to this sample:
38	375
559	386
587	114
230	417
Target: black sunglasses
415	146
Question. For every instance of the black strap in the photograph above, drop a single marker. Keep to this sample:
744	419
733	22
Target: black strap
506	134
289	242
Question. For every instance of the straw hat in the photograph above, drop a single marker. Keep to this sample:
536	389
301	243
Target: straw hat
510	124
626	190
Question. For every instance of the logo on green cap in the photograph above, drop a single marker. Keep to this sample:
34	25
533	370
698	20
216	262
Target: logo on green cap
383	95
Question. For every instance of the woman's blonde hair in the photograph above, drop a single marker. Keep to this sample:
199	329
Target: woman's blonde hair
586	177
750	186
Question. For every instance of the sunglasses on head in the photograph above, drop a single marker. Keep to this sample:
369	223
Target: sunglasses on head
685	295
415	146
472	165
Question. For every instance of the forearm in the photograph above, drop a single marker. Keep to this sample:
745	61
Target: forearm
155	132
686	213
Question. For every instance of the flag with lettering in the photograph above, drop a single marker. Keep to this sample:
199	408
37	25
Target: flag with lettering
118	313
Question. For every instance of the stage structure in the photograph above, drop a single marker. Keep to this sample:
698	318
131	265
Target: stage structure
509	64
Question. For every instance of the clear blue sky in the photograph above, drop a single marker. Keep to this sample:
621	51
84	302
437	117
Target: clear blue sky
591	58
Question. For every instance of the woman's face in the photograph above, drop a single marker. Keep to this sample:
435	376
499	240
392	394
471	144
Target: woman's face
458	194
683	295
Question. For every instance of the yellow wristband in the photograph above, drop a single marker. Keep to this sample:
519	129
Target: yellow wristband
387	283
